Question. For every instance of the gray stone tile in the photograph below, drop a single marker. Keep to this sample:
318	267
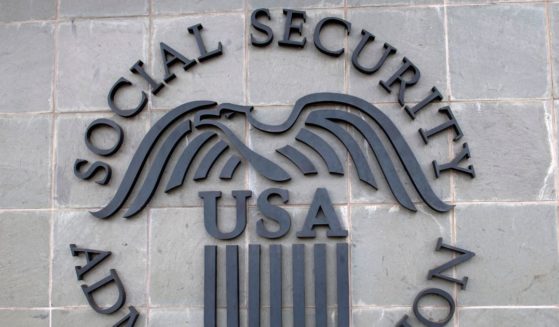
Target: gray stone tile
187	194
475	2
554	15
184	317
173	7
436	149
391	252
26	66
188	317
389	317
84	8
298	215
219	79
417	33
93	55
24	259
489	53
509	317
510	151
516	254
393	2
89	318
177	245
293	4
273	70
26	155
70	130
26	318
287	317
21	10
301	188
125	238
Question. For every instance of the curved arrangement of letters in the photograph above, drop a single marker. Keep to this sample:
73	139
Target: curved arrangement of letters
207	126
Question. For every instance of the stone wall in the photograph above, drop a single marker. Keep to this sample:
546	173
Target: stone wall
496	63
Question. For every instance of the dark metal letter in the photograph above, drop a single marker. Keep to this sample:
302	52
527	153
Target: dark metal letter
232	282
273	212
298	266
464	154
254	285
403	322
210	285
320	285
368	37
171	57
318	28
434	292
139	69
275	286
261	27
434	96
289	28
210	213
106	123
93	257
342	280
95	167
129	320
464	256
322	203
125	112
451	123
399	77
204	54
112	278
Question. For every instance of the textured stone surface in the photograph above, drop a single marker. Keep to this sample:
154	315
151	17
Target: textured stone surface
89	318
26	66
386	243
510	149
482	64
174	7
25	318
509	317
74	192
395	2
177	245
389	317
421	41
291	4
495	61
520	240
21	10
125	238
24	259
554	19
84	8
218	79
92	56
313	71
26	161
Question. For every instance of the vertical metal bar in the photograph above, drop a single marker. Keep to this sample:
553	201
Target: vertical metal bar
342	281
275	286
232	282
298	267
210	285
320	301
254	285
